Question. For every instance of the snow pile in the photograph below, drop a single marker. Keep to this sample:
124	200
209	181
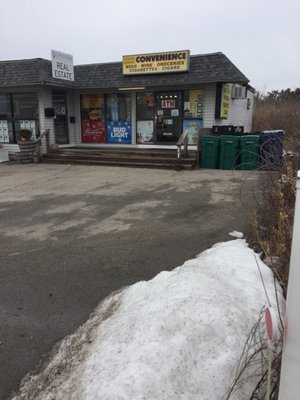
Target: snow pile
236	234
178	336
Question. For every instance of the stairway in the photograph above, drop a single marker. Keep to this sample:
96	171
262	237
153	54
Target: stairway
142	158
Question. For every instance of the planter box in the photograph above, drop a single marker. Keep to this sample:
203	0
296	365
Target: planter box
27	149
4	155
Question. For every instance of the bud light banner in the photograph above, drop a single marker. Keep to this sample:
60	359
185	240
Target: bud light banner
118	132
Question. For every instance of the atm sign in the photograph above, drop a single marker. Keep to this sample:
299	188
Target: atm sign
168	104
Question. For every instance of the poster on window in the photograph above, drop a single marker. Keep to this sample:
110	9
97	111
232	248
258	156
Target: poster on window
193	126
93	131
144	131
92	101
196	103
119	132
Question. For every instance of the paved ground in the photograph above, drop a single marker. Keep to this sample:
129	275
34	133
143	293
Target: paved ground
70	235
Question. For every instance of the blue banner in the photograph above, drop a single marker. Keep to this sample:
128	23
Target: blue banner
118	132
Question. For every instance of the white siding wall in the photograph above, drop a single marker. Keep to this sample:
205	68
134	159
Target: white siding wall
77	125
133	118
240	114
71	113
45	100
209	106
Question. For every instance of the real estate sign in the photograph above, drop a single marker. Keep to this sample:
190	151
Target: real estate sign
62	65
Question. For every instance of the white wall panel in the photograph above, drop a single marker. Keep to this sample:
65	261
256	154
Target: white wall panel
45	100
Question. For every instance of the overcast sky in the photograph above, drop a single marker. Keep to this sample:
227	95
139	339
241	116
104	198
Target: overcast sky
261	37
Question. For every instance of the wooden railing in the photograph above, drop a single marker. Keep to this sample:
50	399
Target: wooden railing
183	141
37	152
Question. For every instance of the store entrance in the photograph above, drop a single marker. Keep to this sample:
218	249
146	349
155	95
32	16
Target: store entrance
168	117
61	117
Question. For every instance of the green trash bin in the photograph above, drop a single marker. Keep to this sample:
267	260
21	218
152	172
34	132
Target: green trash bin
250	152
229	146
210	151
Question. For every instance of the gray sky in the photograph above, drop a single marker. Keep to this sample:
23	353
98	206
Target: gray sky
261	37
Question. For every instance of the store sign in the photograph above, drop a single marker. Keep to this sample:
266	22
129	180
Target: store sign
93	132
222	101
62	66
145	131
197	103
118	132
193	126
92	101
225	99
156	63
168	104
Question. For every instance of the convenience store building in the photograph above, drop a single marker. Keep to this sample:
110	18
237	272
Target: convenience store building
147	100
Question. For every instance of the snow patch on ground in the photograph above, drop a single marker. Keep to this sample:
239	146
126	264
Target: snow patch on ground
177	336
236	234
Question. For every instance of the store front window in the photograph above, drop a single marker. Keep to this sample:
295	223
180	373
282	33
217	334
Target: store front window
6	128
145	113
92	118
118	118
168	116
159	117
18	111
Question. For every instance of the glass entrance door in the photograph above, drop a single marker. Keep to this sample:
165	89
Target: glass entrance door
61	117
168	117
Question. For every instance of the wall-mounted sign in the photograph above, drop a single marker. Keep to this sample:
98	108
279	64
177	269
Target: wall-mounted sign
93	132
156	63
222	101
92	101
197	103
225	101
62	65
168	104
118	132
193	126
145	130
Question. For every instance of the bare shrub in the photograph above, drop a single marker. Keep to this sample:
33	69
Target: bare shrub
253	365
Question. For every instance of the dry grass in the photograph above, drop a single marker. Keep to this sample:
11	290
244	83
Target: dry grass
280	115
272	224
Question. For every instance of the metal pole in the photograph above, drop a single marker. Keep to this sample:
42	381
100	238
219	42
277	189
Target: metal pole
290	366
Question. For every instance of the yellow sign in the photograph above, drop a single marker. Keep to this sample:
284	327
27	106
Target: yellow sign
92	100
157	63
197	103
225	101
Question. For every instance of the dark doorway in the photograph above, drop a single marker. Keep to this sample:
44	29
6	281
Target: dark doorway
168	117
61	117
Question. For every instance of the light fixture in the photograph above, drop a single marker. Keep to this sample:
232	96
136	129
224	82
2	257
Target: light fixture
132	88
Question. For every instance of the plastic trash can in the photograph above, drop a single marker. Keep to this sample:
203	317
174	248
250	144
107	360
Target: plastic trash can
271	149
209	151
250	152
229	146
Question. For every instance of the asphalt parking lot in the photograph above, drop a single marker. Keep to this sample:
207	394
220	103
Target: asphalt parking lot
70	235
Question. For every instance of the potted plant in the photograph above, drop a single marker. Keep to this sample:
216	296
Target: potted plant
27	146
25	134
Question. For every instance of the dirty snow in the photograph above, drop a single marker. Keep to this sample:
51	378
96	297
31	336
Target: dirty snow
236	234
177	336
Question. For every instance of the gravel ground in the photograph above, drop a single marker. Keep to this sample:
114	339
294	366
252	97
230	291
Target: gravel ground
70	235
